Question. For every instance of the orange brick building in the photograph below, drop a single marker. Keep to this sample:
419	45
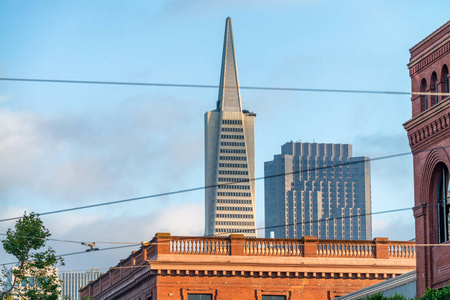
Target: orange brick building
234	267
429	139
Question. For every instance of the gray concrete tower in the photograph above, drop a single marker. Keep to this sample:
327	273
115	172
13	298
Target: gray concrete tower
229	155
325	192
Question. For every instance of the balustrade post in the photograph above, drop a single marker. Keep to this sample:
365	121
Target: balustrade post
236	244
309	246
162	243
381	247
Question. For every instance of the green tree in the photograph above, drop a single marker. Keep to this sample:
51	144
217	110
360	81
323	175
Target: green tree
35	272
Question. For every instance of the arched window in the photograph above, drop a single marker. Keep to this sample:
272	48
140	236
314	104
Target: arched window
444	81
424	98
434	86
443	206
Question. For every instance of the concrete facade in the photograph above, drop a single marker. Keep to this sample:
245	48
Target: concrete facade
229	155
236	267
429	138
323	191
71	282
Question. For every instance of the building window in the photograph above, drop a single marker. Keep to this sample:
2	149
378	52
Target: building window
424	98
273	297
443	206
434	86
199	297
444	81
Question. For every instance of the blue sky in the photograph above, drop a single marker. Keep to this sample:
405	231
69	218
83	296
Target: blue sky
65	145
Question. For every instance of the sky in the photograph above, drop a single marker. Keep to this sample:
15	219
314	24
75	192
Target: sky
71	145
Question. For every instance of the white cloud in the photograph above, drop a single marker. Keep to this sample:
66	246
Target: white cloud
396	228
116	154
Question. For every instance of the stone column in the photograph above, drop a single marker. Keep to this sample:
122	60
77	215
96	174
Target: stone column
309	246
381	247
236	244
163	242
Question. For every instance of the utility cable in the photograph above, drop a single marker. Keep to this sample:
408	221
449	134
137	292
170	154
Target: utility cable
80	252
41	238
260	228
211	186
209	86
284	225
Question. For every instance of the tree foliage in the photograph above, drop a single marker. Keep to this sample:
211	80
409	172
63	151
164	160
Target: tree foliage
35	272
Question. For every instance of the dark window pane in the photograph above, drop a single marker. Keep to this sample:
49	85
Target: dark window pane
443	206
199	297
272	297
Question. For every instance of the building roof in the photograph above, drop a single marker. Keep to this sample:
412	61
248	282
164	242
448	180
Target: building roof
395	284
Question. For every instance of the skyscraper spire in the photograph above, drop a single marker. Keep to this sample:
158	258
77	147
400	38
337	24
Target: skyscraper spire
229	95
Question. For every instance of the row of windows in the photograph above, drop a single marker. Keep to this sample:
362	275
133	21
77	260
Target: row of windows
234	216
222	179
235	223
434	88
235	208
232	151
231	230
234	187
232	129
239	144
228	172
234	194
244	158
232	122
224	165
232	136
234	201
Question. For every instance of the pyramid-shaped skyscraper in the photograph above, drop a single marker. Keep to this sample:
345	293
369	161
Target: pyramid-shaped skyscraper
229	155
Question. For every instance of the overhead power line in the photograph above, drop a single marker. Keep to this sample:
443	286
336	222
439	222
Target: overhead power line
210	86
210	186
79	252
261	228
130	244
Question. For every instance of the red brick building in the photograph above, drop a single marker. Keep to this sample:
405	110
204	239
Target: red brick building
429	138
213	268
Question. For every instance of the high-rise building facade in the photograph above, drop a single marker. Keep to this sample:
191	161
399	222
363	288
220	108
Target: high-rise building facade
72	282
229	155
314	189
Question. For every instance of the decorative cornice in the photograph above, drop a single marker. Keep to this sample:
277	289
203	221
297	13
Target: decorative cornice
428	124
282	274
429	37
427	58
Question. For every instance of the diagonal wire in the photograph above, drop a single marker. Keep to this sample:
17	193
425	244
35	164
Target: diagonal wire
210	86
210	186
